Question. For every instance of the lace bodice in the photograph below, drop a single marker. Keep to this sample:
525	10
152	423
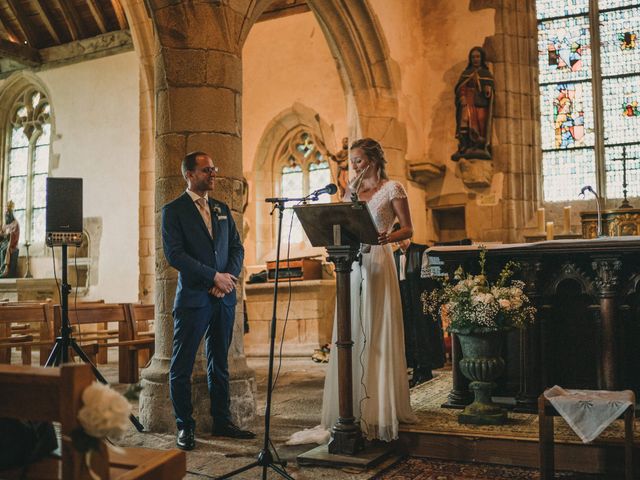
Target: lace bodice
380	204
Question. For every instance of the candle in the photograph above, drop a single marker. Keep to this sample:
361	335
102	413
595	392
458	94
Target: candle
567	220
549	230
541	219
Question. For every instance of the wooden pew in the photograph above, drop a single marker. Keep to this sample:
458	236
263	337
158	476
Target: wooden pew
25	326
140	347
127	340
90	321
55	394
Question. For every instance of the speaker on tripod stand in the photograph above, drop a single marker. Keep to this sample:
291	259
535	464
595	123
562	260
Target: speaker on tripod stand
64	228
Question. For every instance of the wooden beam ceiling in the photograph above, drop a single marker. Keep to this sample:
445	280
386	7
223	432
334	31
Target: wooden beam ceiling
45	14
6	30
23	23
98	16
23	54
70	19
119	11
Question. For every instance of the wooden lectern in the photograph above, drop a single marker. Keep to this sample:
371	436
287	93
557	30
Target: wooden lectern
341	228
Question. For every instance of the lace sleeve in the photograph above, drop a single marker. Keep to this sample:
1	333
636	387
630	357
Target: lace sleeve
396	190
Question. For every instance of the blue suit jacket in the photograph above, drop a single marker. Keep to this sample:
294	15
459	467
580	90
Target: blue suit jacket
190	249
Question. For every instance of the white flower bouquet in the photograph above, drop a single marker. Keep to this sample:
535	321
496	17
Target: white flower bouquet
472	304
104	413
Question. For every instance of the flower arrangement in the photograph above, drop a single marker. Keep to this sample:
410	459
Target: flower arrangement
473	304
104	413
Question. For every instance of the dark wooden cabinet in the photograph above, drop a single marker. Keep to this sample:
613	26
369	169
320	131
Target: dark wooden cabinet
587	333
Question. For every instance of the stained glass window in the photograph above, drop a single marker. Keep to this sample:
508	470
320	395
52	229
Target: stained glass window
28	162
568	65
305	170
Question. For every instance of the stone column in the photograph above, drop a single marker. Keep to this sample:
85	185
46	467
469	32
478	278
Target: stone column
142	33
513	53
198	107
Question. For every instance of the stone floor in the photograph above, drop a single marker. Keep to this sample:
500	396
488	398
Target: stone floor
297	400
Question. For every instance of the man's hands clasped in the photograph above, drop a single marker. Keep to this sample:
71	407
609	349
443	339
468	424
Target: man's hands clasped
223	283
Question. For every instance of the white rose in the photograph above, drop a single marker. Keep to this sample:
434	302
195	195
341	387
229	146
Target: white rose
105	412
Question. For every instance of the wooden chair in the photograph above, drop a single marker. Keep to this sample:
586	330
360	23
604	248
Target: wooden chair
55	394
139	348
546	412
25	326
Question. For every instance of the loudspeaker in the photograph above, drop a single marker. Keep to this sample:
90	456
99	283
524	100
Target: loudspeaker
64	211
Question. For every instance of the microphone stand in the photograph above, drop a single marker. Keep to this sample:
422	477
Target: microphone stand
265	457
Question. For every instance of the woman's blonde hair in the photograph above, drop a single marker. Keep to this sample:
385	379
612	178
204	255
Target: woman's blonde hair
374	153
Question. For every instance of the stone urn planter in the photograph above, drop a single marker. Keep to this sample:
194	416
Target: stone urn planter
482	364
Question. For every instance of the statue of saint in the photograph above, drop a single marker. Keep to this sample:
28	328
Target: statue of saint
474	94
9	236
342	159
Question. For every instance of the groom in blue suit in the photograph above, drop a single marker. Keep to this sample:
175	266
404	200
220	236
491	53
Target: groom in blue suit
201	241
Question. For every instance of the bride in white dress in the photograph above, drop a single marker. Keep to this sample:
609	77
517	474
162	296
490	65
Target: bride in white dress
380	382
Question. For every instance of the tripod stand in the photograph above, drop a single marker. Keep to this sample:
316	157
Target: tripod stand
265	457
60	352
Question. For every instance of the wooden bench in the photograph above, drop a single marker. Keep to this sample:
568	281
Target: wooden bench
96	341
90	323
137	350
55	394
546	412
25	326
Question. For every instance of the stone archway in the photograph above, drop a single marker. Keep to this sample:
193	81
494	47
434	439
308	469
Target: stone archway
198	90
357	42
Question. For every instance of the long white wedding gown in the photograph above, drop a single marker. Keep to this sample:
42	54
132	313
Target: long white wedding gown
380	383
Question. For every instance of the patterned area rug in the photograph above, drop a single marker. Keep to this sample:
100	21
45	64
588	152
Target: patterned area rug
423	469
427	398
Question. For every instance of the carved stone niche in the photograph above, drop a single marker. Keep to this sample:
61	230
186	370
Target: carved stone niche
423	172
475	173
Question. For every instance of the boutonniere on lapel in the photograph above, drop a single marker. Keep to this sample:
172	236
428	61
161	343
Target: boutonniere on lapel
217	212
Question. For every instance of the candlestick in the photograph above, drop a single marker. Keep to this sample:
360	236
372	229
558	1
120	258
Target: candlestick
567	220
549	230
541	219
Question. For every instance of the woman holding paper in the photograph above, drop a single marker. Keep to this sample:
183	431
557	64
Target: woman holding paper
380	382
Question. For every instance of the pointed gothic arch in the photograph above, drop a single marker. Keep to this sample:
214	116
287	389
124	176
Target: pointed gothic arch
28	130
357	42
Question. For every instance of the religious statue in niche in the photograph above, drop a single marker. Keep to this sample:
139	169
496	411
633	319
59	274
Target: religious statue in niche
9	236
474	97
342	159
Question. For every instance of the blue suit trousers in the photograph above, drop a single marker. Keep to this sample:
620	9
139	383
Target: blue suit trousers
215	323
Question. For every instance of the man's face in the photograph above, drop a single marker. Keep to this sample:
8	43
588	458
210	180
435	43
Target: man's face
203	176
404	244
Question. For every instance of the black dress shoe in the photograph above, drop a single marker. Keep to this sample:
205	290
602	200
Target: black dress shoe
186	439
232	431
420	376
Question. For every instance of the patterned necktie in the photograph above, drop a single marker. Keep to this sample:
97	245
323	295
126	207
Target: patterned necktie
203	208
402	266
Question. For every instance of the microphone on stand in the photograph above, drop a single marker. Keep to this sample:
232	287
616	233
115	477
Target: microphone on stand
330	189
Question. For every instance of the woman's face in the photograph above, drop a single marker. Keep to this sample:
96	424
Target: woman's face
476	58
359	160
